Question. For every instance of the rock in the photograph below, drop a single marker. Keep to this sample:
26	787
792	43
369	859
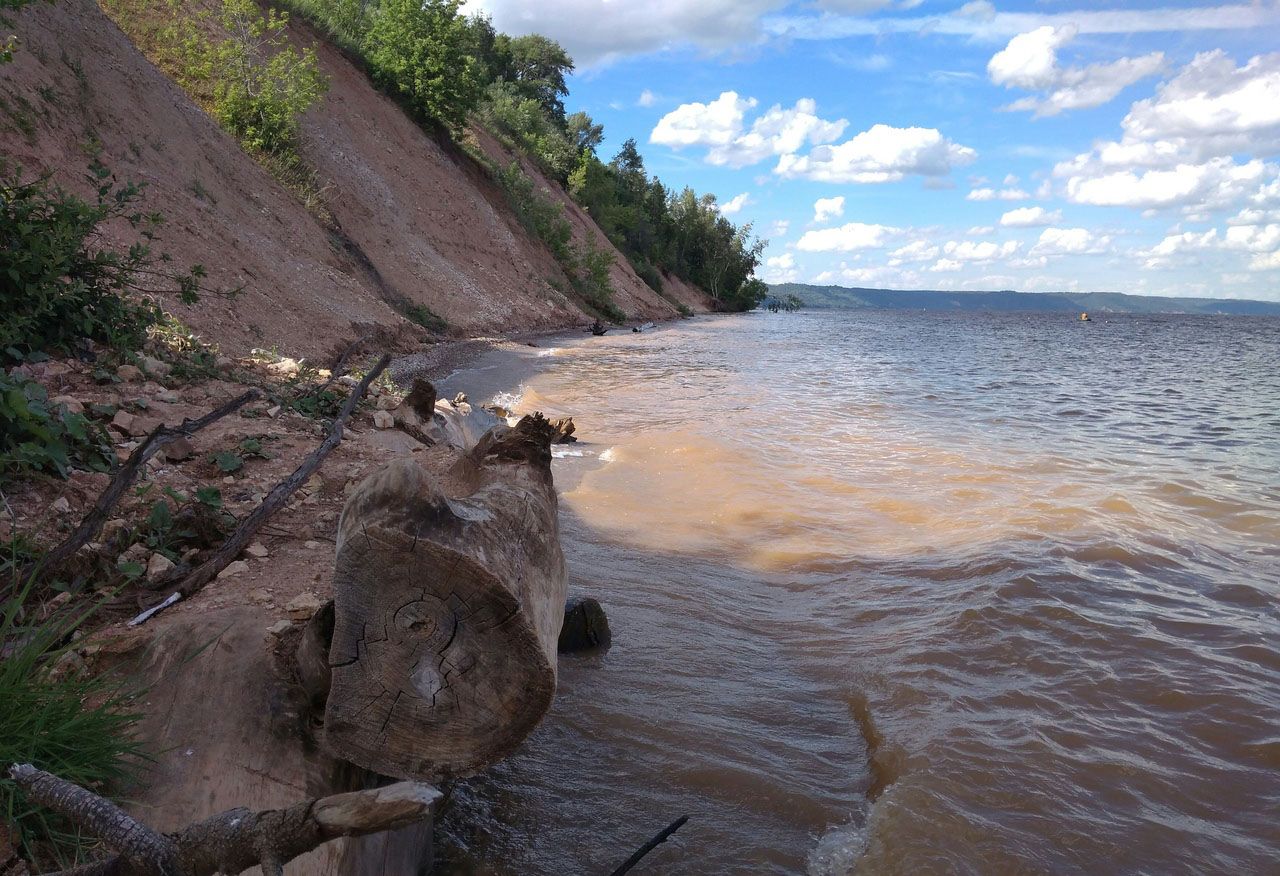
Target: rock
460	399
303	606
129	373
61	506
259	596
285	368
256	550
348	380
311	545
70	403
564	431
386	402
122	421
179	450
158	566
585	626
169	397
280	627
239	567
274	411
112	528
383	420
155	367
140	426
224	363
229	480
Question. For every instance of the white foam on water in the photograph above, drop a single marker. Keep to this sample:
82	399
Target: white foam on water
550	351
561	454
608	455
837	851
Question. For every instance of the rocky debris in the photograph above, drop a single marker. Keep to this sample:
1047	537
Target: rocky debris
129	373
168	396
386	402
383	420
155	367
142	426
239	567
274	411
112	528
224	363
585	626
284	368
460	399
70	403
122	422
178	450
348	380
61	506
311	545
135	553
158	566
303	606
280	627
256	550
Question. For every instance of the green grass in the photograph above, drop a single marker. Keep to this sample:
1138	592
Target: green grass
78	728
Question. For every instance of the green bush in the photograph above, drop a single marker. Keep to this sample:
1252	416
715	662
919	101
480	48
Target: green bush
79	728
541	217
591	280
38	436
419	51
262	85
60	284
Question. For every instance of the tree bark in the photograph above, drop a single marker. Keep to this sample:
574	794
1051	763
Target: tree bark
230	842
449	596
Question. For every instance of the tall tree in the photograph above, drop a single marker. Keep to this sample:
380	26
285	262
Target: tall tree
539	65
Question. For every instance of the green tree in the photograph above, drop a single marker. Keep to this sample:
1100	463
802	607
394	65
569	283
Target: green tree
584	134
539	66
262	85
420	51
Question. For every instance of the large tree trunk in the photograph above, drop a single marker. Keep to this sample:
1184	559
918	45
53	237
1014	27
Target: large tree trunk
449	595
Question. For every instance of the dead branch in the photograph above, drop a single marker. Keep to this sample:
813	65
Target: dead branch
97	516
230	842
652	844
280	494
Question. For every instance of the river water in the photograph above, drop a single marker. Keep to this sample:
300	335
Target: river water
907	593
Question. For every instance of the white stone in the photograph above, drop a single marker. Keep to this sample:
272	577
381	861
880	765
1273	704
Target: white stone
280	627
239	567
62	506
256	550
383	420
159	565
71	403
129	373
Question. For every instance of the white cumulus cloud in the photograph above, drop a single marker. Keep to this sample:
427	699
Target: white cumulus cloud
735	204
1030	217
994	195
828	208
1069	241
846	238
1030	62
721	126
880	154
780	269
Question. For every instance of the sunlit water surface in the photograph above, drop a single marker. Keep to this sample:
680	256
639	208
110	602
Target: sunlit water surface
907	593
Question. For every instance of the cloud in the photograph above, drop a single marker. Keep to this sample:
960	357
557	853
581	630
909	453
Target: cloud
980	230
597	32
646	98
828	208
1069	241
881	154
779	228
979	251
1030	62
916	251
735	204
720	125
993	195
780	269
1030	217
846	238
1260	242
1198	144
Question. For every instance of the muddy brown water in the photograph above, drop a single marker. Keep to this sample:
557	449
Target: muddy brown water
907	593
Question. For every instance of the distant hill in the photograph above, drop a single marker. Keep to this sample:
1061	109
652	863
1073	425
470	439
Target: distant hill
843	298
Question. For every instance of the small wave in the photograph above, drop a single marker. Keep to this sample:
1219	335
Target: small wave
550	351
608	455
837	851
558	453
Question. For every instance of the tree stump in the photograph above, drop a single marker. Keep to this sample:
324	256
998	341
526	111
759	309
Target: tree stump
448	599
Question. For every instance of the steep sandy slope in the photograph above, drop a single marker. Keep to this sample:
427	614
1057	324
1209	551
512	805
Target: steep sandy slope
414	221
78	86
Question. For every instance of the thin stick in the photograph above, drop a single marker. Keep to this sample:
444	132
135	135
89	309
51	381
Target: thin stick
650	845
280	494
161	436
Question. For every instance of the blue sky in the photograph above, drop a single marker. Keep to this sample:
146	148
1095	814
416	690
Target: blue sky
1073	145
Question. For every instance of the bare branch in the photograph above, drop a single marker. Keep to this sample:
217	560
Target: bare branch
280	494
159	438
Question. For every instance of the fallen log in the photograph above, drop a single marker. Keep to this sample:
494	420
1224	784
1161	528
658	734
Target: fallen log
230	842
448	595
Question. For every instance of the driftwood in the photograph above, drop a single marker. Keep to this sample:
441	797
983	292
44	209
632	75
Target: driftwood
101	510
230	842
661	837
279	495
449	595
